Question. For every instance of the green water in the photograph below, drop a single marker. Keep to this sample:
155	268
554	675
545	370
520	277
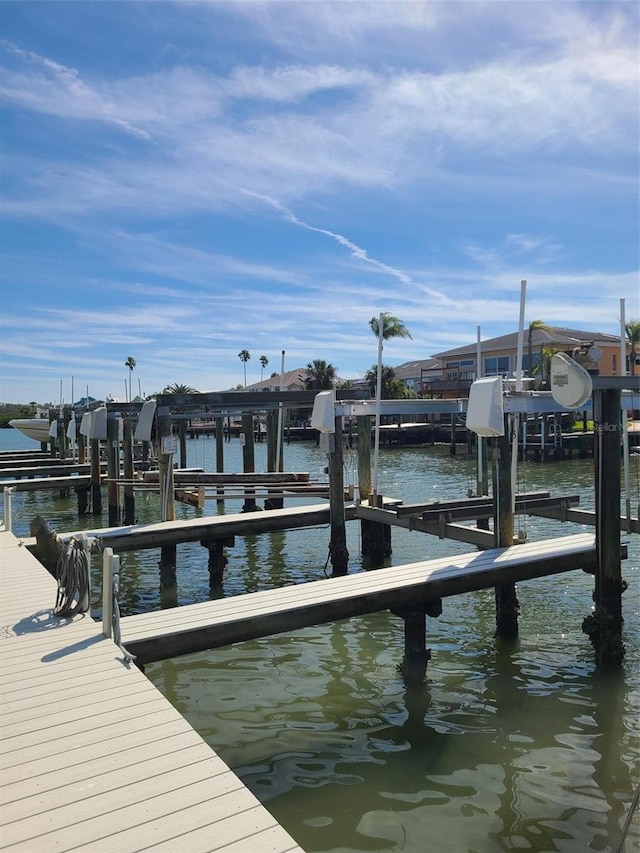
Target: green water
508	746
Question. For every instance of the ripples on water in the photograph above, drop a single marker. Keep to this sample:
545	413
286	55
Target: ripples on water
508	746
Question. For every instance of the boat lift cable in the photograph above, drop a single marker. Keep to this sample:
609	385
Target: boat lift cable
72	572
115	619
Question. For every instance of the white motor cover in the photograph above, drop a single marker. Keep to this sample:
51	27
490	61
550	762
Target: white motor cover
485	412
571	385
145	421
323	417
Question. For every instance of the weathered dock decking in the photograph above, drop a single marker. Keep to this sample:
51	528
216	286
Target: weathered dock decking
211	624
159	534
93	756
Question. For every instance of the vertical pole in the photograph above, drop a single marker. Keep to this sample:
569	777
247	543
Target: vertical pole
108	569
165	472
220	444
165	464
220	451
625	423
480	442
523	292
248	460
371	540
127	448
113	466
8	521
96	477
279	460
376	439
338	542
604	626
272	440
82	449
364	456
505	594
182	434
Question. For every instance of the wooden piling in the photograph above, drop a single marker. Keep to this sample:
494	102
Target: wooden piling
129	507
113	468
507	605
96	492
273	464
248	460
217	558
338	542
166	451
182	442
375	538
416	655
604	625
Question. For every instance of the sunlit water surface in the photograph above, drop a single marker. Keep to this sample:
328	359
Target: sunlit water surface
507	746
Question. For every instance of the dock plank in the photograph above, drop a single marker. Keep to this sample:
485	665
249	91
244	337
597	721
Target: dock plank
211	624
92	755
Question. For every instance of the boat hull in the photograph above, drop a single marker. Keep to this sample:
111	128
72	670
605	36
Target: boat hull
35	428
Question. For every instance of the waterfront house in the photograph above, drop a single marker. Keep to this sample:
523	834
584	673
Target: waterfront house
455	369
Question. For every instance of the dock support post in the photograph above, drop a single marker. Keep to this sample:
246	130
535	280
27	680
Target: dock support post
182	439
166	453
82	449
273	445
248	461
416	654
217	558
604	625
82	493
375	537
220	451
338	542
129	516
96	493
507	605
113	466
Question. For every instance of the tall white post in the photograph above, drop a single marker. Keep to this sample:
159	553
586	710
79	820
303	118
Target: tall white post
376	442
624	416
523	292
479	438
279	436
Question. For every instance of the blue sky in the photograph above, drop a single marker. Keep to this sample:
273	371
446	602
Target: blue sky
181	181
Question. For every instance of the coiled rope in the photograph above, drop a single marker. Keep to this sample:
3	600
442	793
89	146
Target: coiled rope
72	572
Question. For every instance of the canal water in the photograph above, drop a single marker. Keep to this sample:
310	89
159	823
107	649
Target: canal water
507	746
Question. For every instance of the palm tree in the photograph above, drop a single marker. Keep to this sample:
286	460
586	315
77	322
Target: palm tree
534	326
264	361
543	367
632	330
130	363
321	376
392	327
244	355
178	388
391	387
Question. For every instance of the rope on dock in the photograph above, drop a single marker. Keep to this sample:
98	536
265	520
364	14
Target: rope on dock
72	572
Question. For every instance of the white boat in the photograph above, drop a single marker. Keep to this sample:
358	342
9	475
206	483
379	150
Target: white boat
35	428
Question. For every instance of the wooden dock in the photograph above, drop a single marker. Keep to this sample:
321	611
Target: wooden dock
140	536
211	624
93	756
